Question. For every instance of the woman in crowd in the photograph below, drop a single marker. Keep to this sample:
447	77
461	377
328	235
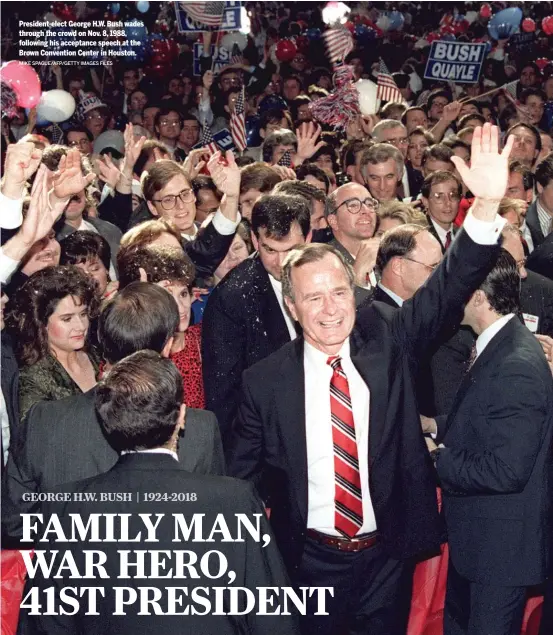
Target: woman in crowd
49	319
152	232
170	268
397	213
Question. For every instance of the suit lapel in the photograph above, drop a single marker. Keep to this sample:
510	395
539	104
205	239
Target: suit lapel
269	309
290	400
368	365
533	222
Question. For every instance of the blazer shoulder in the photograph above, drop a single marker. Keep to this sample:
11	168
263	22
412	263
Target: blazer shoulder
197	417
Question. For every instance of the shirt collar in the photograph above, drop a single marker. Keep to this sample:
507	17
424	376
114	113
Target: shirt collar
153	451
442	233
191	236
490	332
395	298
317	357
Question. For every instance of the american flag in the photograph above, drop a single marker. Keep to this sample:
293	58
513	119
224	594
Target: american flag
238	123
339	42
286	159
387	89
236	55
208	13
511	88
207	140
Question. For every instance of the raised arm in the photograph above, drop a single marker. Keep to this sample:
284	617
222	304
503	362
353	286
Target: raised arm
441	299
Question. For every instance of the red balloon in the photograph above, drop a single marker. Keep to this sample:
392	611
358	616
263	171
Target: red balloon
286	50
350	26
461	27
302	42
547	25
485	11
528	25
63	11
542	62
23	79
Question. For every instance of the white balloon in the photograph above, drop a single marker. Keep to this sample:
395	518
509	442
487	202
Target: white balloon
383	23
471	16
56	106
335	12
232	38
368	102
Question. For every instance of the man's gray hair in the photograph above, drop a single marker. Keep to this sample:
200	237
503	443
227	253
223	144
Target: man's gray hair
303	255
386	124
380	153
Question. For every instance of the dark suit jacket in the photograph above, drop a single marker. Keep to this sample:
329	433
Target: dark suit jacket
496	469
10	389
541	259
110	232
270	443
536	298
63	441
533	222
216	498
416	180
242	324
434	233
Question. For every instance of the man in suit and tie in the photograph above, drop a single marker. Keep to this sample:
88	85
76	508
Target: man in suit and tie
245	319
539	216
495	462
441	193
327	424
141	409
62	441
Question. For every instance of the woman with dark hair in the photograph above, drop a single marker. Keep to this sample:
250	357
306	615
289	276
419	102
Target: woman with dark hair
49	319
170	268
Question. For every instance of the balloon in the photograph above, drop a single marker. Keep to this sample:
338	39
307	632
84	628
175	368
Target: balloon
143	6
471	16
542	62
313	33
115	8
234	38
40	121
350	26
302	42
361	33
56	105
8	101
528	25
368	102
383	22
286	50
485	11
23	79
396	20
505	23
63	11
547	25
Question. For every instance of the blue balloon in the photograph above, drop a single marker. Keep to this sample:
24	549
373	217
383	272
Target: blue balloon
396	20
505	23
143	6
313	34
115	8
361	33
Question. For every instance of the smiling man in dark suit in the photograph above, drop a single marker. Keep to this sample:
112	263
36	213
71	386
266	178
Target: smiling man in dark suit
495	463
62	441
328	426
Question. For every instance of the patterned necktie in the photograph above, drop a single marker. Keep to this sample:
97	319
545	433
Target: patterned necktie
348	517
447	240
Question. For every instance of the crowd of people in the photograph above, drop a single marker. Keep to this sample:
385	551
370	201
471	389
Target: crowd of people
344	329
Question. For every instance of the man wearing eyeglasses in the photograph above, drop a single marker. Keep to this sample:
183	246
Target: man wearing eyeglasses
441	193
80	138
351	213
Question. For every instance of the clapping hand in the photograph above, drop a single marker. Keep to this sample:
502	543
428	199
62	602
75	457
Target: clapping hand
22	161
489	169
40	216
195	162
225	173
133	147
69	178
109	172
307	135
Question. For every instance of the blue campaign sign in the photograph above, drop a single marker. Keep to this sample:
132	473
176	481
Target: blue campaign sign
223	139
231	18
455	61
221	58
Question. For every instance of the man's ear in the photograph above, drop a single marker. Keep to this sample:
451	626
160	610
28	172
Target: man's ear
254	241
424	202
539	187
396	265
332	221
262	133
152	209
166	351
291	308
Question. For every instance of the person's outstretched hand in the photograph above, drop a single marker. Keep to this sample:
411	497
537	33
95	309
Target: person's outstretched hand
489	169
225	173
69	178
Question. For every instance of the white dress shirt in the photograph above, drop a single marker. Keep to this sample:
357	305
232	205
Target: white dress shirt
7	267
488	333
11	215
546	220
277	288
320	450
442	233
525	230
405	183
153	451
394	296
221	223
5	427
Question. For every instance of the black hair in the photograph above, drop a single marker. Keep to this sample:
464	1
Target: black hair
275	213
502	285
81	246
544	171
311	169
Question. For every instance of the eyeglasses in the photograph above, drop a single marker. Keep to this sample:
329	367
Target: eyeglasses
168	202
441	197
398	141
431	267
353	205
169	122
83	143
95	116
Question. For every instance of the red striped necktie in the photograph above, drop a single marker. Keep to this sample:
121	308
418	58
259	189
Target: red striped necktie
448	240
348	500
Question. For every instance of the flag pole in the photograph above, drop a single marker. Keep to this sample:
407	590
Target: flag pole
490	92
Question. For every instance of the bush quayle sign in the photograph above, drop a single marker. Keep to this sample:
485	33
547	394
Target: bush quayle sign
231	18
455	61
221	57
